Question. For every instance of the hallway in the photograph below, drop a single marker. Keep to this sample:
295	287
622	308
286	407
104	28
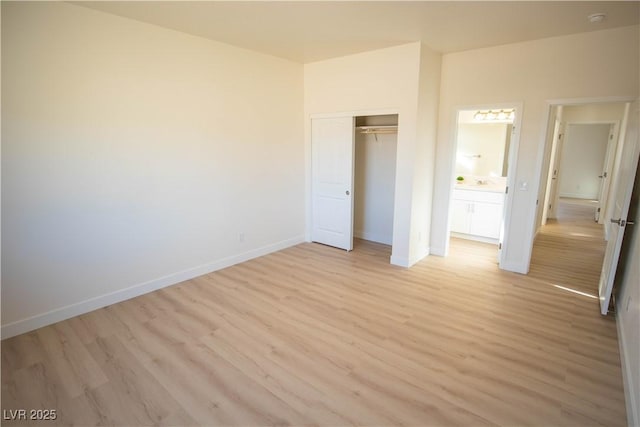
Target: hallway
569	250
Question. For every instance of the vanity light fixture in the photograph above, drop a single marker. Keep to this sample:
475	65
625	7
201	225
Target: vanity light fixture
494	115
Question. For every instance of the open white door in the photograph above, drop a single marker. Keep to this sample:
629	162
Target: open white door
332	153
605	178
623	179
552	176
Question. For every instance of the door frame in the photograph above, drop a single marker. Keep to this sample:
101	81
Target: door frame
514	148
309	161
538	176
549	209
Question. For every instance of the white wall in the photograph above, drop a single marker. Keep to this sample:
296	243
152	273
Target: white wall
133	156
582	160
425	150
590	113
374	184
379	82
587	65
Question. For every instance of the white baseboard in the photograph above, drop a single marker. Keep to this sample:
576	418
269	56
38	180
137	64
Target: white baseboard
633	412
34	322
475	238
408	262
373	237
579	196
437	251
515	267
425	252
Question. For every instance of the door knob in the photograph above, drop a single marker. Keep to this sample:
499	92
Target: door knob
347	192
621	222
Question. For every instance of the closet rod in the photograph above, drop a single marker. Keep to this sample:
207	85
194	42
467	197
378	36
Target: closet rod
378	129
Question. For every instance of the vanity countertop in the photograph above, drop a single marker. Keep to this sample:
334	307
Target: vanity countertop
489	187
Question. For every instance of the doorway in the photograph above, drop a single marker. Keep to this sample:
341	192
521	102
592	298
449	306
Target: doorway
376	143
586	150
485	146
580	154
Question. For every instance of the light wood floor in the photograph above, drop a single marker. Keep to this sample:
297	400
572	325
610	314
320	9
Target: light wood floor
555	257
315	336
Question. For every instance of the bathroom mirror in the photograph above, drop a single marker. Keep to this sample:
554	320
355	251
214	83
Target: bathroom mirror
483	140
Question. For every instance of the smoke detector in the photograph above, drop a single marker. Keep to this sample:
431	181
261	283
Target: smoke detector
594	18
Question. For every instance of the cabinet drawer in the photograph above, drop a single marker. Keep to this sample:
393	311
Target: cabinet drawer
489	197
464	194
478	196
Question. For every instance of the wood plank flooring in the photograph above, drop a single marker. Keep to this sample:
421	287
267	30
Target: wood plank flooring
315	336
555	258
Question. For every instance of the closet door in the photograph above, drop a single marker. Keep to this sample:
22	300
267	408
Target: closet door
332	152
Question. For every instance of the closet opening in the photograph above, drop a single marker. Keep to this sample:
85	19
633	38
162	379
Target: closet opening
353	177
376	140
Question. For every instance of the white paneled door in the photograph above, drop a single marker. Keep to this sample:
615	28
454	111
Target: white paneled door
622	187
332	153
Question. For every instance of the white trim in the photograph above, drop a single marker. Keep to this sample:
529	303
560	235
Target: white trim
309	161
475	238
516	267
511	174
595	100
400	261
537	177
34	322
438	251
373	237
356	113
408	262
578	196
633	414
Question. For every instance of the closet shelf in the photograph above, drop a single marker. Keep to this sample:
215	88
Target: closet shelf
378	129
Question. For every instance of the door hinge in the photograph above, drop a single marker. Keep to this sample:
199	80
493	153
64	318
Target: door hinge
598	209
499	245
506	190
537	202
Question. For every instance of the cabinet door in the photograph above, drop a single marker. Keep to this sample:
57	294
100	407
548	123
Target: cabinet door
460	216
486	219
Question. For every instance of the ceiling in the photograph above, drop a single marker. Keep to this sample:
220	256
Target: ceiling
307	31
